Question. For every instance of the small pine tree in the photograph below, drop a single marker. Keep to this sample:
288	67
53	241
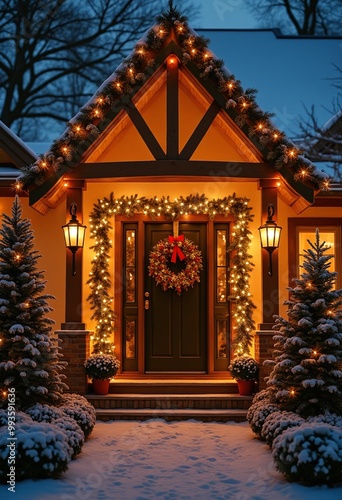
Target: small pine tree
307	376
29	357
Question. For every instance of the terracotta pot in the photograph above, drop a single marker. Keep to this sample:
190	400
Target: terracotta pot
246	387
101	387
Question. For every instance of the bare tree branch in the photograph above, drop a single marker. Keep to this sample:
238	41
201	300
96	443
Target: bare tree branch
302	17
62	50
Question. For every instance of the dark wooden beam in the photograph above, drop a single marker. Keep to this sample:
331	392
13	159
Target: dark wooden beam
181	168
200	131
145	132
172	112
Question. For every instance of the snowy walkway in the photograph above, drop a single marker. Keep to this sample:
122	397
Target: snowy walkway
127	460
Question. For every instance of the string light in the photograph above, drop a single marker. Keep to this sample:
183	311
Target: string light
239	278
145	54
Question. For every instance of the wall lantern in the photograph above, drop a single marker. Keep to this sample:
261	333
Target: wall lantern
270	235
74	233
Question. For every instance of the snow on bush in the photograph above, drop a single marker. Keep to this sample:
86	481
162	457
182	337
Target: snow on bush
310	454
79	408
19	417
74	432
277	422
328	418
257	414
263	395
52	414
44	413
41	450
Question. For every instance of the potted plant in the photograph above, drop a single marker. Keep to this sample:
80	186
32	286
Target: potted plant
101	368
245	370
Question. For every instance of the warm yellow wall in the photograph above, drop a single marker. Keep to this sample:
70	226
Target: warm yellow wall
127	146
96	191
222	141
50	245
191	112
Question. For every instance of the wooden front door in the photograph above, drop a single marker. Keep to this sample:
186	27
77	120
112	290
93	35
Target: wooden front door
176	325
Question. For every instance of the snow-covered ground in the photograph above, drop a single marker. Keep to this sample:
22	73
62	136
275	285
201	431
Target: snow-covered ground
126	460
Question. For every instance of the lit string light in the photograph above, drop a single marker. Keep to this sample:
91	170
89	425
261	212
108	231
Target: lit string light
130	77
241	265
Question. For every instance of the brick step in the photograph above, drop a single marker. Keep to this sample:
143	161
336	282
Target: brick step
171	386
172	415
156	402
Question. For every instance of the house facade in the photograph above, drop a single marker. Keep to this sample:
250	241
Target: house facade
173	167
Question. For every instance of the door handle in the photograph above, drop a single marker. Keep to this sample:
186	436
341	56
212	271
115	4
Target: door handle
147	302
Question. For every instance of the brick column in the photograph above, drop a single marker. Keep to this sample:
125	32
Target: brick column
264	346
75	347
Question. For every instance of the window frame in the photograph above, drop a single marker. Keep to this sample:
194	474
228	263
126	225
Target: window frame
324	224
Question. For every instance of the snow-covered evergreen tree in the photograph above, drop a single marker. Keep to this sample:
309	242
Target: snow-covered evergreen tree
307	376
29	357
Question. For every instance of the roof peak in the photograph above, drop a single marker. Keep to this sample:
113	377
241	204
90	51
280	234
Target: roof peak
171	34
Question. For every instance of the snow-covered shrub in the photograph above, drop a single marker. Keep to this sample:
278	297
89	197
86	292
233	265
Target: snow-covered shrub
310	454
328	418
41	450
263	395
257	414
44	413
79	408
74	432
57	416
19	417
277	422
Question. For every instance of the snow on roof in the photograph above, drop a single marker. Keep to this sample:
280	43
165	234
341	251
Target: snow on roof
332	121
15	147
289	72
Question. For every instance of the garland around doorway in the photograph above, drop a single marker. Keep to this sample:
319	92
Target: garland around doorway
100	296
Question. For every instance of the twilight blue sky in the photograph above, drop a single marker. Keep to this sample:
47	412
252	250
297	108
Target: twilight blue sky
224	14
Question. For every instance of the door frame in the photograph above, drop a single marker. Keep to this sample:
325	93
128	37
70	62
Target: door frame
141	220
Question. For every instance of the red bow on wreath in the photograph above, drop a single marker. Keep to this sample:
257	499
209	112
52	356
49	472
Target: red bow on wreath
176	249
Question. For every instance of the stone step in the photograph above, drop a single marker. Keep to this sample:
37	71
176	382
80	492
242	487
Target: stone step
213	415
156	402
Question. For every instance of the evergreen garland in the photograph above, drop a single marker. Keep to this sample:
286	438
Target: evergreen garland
114	94
99	282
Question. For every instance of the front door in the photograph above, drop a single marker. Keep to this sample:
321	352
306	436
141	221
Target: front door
176	325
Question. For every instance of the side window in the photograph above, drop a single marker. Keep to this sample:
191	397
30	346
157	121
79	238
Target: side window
302	230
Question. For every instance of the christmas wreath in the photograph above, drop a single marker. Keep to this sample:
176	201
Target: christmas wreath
168	250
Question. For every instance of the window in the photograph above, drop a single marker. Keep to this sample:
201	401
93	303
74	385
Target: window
302	230
221	315
130	305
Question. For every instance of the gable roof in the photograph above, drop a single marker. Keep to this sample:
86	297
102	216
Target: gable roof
171	39
14	154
